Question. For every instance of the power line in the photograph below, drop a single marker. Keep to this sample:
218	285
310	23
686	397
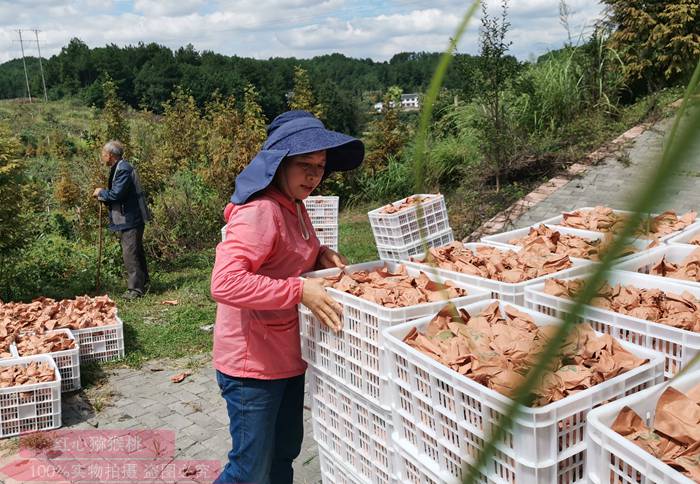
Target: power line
41	67
24	62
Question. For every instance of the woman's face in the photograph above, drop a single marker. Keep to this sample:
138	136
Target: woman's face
301	174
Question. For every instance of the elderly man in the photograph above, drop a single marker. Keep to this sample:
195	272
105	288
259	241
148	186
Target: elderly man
128	214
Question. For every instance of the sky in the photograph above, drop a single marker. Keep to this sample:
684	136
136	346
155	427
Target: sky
261	29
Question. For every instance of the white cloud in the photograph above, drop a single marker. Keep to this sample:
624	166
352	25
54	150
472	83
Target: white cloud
267	28
167	8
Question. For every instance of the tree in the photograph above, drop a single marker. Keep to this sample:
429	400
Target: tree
658	42
182	126
14	208
387	135
495	71
222	121
252	131
114	124
302	97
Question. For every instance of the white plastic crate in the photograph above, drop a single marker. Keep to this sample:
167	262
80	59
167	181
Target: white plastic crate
559	218
505	291
101	343
327	235
323	211
643	263
352	430
686	235
30	408
322	205
444	418
410	468
678	345
405	253
503	239
613	458
356	355
402	228
67	361
333	471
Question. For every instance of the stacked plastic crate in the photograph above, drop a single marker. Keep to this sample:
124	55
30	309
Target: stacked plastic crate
404	228
323	212
610	457
348	382
442	418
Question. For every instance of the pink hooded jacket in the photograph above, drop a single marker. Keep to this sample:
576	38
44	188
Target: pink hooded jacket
256	284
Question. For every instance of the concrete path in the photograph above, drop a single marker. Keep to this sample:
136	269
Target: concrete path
611	181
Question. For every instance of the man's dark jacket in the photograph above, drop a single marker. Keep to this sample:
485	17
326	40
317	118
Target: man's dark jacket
125	198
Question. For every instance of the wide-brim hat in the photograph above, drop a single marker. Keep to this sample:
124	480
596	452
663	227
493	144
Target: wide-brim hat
295	133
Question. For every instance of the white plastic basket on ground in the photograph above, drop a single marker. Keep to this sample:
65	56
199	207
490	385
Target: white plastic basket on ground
410	471
402	228
356	355
327	235
33	407
503	239
333	471
613	458
67	361
443	418
557	220
406	252
643	263
101	343
678	345
505	291
356	433
685	236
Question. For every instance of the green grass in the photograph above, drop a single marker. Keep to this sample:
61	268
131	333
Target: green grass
355	239
154	330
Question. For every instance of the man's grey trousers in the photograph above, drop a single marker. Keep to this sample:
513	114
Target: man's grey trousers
134	258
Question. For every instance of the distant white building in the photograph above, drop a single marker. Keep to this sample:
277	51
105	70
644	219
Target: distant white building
410	101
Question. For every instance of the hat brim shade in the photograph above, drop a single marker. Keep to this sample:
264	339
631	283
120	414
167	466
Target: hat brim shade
343	152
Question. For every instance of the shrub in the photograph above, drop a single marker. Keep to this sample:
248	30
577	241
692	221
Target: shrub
186	217
53	266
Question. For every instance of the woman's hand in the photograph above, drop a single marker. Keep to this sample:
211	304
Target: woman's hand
329	259
324	307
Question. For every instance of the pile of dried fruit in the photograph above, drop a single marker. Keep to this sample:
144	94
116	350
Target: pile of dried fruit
695	240
604	219
544	240
44	343
674	436
497	349
408	202
688	269
34	372
497	264
393	289
677	310
44	314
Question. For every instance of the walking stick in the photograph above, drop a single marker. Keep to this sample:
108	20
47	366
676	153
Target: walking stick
99	250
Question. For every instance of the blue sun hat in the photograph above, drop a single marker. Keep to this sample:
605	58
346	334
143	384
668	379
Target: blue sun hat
295	133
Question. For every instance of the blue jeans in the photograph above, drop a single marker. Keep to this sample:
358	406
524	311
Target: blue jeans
267	428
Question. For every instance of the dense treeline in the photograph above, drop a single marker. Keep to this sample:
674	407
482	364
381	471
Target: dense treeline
146	74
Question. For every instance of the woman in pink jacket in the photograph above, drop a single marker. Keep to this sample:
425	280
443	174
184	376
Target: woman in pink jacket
269	243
